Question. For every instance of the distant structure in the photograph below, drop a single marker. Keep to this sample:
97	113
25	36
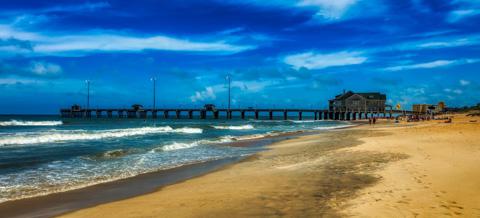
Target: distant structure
350	101
429	108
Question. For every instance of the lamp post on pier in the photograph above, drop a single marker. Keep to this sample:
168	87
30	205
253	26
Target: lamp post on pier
88	93
229	81
154	91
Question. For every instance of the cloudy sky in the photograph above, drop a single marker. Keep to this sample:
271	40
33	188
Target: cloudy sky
285	54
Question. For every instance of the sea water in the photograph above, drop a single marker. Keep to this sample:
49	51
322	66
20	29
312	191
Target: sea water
40	155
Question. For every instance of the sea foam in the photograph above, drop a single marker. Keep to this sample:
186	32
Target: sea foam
242	127
92	135
177	146
30	123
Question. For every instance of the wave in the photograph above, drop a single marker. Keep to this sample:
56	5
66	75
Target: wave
177	146
188	130
243	127
30	123
93	135
303	121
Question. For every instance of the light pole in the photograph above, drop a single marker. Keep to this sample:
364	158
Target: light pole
229	80
154	90
88	93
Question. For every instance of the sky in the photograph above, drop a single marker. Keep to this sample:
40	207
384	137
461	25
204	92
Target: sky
279	54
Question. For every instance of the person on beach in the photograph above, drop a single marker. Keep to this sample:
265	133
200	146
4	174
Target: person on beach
370	121
374	120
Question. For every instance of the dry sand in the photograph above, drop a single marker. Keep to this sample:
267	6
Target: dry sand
426	169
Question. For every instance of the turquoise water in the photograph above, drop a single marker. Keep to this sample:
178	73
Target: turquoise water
44	154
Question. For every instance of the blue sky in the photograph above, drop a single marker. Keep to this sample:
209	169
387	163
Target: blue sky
280	54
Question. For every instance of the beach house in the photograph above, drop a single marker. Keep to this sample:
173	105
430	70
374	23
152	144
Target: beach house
351	101
429	108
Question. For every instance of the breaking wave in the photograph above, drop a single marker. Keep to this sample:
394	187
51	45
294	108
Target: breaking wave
30	123
177	146
303	121
92	135
242	127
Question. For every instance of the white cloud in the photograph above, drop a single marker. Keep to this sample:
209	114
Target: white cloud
77	8
44	69
464	9
15	81
432	42
100	41
458	15
456	91
432	64
447	43
325	10
312	60
207	94
464	82
328	9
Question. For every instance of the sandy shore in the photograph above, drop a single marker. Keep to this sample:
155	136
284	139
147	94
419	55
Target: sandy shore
426	169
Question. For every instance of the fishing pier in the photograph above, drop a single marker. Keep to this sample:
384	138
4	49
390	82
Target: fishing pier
203	113
345	106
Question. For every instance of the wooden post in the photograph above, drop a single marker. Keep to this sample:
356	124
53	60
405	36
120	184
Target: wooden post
256	114
165	114
177	114
242	114
315	115
299	115
285	115
88	113
270	115
143	114
190	114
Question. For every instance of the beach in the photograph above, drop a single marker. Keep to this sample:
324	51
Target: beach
409	169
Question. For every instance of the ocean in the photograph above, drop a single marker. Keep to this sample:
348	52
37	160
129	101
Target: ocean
40	155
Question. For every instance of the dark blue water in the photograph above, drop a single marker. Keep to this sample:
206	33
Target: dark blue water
44	154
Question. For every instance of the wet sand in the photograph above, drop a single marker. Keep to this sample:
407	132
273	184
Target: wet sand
426	169
64	202
307	176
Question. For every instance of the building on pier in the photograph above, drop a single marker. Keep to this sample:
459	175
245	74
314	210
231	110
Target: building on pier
350	101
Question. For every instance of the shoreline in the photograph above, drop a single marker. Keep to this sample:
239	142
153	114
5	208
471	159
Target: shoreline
405	169
58	203
63	202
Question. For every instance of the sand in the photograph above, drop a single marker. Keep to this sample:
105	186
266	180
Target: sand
426	169
440	178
